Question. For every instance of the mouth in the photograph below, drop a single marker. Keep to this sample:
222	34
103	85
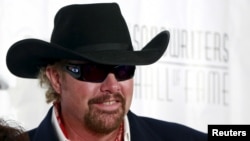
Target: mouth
108	106
111	102
107	103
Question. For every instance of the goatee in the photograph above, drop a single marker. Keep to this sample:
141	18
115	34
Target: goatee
101	121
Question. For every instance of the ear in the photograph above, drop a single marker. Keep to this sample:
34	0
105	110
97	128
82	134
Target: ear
54	78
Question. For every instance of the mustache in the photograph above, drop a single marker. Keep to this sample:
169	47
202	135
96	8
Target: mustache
106	97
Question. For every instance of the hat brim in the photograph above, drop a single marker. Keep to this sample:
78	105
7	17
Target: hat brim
26	57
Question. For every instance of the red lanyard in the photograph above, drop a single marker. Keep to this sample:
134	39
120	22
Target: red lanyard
119	136
59	119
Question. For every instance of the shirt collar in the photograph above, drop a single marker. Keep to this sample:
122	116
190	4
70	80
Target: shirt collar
62	137
126	129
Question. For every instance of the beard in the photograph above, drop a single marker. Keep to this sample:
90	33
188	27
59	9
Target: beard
101	121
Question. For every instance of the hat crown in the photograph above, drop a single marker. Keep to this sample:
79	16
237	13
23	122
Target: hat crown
94	32
81	27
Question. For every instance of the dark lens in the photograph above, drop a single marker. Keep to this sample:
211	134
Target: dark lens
124	72
93	73
98	73
74	70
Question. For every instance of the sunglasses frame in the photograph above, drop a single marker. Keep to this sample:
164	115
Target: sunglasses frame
75	70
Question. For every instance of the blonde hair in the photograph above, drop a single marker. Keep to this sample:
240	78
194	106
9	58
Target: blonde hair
51	94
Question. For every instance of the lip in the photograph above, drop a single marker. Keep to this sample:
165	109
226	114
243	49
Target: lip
108	105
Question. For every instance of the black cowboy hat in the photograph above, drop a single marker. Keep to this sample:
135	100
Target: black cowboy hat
93	32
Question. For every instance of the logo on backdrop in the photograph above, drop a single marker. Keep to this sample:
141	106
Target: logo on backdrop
195	67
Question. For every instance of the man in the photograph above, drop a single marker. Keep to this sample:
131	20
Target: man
88	67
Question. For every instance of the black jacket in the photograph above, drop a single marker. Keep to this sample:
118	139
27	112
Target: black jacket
141	129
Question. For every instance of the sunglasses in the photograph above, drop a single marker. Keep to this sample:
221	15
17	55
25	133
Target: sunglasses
97	73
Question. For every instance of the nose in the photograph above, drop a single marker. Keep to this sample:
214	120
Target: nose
110	84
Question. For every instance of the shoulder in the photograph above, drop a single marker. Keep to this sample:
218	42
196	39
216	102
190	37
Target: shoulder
163	130
45	131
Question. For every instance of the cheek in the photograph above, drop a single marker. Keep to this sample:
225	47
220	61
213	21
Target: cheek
75	94
128	92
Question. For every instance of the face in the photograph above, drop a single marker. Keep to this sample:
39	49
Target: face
97	106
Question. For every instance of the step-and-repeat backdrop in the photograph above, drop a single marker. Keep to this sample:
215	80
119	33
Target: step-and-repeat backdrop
203	78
